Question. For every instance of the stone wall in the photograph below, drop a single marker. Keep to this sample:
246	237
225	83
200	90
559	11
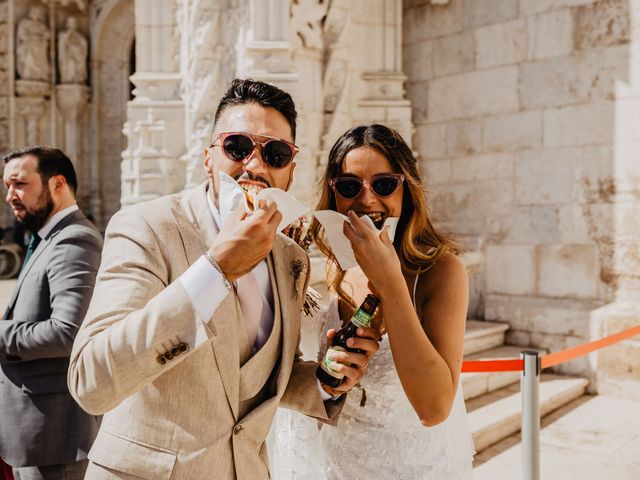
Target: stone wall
519	125
6	217
4	76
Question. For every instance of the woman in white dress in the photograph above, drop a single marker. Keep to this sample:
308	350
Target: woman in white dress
409	421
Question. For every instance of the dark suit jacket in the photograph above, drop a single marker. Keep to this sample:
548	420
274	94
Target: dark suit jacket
40	423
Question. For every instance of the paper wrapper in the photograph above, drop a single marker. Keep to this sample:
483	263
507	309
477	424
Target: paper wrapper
231	194
340	245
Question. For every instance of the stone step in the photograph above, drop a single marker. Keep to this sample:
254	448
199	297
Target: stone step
496	415
478	383
481	335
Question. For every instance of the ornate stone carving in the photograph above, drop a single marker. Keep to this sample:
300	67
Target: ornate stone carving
32	88
32	46
96	9
307	17
210	31
81	4
112	29
156	86
32	110
193	158
147	170
336	71
414	3
72	100
72	54
381	96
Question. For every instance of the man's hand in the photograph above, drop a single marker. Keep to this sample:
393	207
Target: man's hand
354	365
244	241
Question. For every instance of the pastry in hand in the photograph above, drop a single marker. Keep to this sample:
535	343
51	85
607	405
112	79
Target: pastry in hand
250	194
377	218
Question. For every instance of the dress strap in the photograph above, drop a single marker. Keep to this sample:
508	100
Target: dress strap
415	287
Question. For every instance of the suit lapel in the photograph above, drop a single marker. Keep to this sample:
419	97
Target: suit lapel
284	256
195	222
198	230
73	217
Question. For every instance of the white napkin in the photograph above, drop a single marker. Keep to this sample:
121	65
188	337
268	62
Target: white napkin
340	245
231	194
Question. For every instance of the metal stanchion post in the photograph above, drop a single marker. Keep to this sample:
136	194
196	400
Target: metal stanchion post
529	386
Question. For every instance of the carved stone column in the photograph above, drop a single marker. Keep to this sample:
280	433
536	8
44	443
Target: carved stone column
267	50
31	107
307	40
384	98
147	167
208	64
72	103
155	118
266	56
338	112
31	110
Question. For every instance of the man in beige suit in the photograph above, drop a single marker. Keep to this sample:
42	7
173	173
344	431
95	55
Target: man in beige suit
190	342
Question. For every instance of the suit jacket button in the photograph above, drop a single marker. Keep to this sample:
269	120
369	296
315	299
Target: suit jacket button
168	355
183	347
161	359
175	351
237	429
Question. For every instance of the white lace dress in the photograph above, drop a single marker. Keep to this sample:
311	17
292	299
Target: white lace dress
383	439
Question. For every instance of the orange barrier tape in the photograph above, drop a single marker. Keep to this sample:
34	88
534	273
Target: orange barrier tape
506	365
550	360
574	352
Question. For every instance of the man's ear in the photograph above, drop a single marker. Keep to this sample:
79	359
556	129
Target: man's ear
293	167
57	184
207	163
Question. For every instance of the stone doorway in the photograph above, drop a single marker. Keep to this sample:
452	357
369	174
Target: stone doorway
113	63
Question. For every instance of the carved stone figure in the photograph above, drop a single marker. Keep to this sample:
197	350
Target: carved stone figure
32	46
72	54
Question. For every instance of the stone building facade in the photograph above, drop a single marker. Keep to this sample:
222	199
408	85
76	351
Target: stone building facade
527	120
525	116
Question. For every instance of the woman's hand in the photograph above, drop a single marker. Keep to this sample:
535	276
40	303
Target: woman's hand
354	365
374	253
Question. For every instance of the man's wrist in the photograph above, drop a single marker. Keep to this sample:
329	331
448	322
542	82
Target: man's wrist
212	260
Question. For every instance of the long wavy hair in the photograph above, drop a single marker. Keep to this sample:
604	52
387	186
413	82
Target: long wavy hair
418	243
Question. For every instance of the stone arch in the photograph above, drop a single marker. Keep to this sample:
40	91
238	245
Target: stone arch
113	35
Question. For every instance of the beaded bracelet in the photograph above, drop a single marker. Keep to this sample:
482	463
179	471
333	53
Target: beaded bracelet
215	265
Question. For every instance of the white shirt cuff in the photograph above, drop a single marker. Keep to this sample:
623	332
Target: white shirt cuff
205	287
324	395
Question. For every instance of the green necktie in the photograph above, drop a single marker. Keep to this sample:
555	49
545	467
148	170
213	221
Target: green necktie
33	244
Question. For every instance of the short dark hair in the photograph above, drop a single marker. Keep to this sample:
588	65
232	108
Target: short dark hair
251	91
51	162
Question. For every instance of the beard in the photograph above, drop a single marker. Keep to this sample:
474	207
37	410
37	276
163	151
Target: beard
35	219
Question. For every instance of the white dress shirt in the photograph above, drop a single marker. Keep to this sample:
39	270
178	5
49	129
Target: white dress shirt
206	289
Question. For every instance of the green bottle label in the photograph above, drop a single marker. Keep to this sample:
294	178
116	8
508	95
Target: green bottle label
326	364
361	318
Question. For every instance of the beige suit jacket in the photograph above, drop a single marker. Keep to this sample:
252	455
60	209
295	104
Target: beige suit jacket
180	419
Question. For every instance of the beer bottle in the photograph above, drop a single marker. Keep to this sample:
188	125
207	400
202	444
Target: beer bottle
361	318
